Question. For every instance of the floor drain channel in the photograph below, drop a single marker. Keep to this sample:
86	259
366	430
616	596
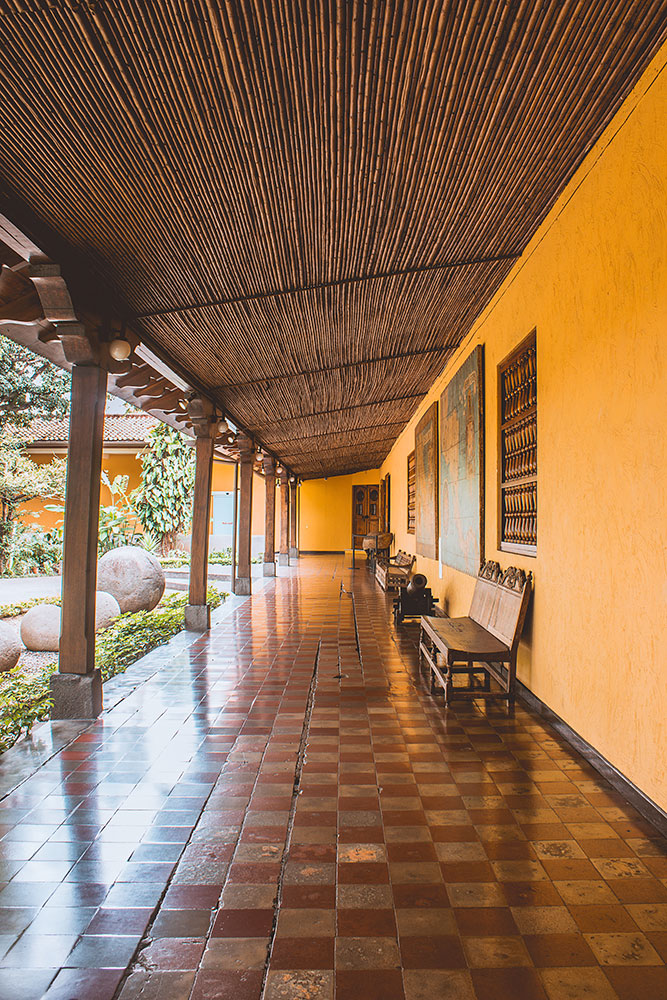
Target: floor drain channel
298	771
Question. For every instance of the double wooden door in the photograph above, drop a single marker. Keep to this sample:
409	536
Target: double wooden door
365	513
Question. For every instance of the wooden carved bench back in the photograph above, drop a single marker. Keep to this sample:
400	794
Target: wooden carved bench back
500	601
403	558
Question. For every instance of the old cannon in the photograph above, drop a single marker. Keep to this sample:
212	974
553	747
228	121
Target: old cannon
414	600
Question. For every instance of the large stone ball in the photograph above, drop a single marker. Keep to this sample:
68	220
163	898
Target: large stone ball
133	576
107	609
10	647
40	628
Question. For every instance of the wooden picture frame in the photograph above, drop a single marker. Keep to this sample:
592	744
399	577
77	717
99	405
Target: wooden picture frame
426	483
462	466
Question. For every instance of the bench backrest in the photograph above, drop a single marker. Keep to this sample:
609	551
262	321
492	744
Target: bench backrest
403	559
500	601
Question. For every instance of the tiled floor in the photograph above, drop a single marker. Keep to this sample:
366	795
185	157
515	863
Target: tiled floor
283	810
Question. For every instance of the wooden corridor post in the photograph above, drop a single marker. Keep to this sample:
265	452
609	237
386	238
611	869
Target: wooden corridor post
198	611
293	543
77	687
243	582
269	466
283	555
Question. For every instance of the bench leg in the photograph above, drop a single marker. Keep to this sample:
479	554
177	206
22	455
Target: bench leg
511	678
449	684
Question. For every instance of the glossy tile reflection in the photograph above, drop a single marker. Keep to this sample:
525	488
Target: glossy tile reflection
280	809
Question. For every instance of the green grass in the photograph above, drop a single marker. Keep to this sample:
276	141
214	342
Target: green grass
12	610
25	698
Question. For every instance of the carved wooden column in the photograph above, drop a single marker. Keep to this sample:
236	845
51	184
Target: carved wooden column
270	516
243	583
283	554
77	687
293	521
198	611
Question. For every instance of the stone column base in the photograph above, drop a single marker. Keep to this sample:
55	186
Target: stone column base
197	617
293	553
269	569
283	558
76	696
243	586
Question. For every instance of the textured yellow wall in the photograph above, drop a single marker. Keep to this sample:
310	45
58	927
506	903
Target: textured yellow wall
326	511
113	463
128	464
594	283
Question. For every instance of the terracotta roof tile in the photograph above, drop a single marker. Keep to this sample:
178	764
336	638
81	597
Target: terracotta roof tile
118	429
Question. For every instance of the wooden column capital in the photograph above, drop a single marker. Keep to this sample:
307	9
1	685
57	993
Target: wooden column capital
203	417
245	447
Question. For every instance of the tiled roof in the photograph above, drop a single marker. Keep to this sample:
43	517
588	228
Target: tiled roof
118	429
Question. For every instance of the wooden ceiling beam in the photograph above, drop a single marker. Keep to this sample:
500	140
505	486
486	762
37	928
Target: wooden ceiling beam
277	293
288	376
340	409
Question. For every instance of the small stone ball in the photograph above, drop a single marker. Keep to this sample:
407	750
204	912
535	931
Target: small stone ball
40	628
10	647
107	609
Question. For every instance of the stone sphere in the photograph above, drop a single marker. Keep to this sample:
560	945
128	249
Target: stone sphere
40	628
10	647
133	576
107	609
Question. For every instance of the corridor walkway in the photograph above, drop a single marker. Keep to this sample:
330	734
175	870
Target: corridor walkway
284	811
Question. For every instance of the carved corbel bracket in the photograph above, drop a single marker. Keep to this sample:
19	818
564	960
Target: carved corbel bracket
245	447
269	465
202	416
58	311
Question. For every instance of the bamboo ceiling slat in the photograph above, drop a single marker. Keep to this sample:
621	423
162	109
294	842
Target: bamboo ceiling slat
280	195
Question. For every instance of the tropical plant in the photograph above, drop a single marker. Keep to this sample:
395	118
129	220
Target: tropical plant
21	480
163	502
33	550
119	524
30	386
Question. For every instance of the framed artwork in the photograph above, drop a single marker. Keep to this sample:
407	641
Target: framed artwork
462	467
426	483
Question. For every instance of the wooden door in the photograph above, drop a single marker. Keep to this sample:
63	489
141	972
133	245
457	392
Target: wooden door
365	512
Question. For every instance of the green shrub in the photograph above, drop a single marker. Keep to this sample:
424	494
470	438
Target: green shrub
12	610
25	697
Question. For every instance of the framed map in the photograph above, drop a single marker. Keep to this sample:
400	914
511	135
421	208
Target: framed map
462	467
426	483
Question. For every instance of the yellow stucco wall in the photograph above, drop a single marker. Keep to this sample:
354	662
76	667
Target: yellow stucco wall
594	283
128	463
326	511
113	463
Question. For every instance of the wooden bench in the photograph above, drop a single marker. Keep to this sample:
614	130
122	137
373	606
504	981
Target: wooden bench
394	572
485	642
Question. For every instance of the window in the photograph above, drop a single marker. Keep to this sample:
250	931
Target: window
517	394
411	493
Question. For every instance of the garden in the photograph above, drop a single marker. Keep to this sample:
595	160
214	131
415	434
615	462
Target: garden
149	520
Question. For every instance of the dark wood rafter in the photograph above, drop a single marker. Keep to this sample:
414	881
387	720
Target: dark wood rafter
312	190
269	379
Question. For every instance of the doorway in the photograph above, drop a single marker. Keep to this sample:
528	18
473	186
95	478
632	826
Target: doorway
365	513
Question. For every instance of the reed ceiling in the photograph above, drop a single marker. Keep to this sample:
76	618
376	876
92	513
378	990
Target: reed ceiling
305	205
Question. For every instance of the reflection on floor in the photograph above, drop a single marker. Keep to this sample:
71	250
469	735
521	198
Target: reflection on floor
284	811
